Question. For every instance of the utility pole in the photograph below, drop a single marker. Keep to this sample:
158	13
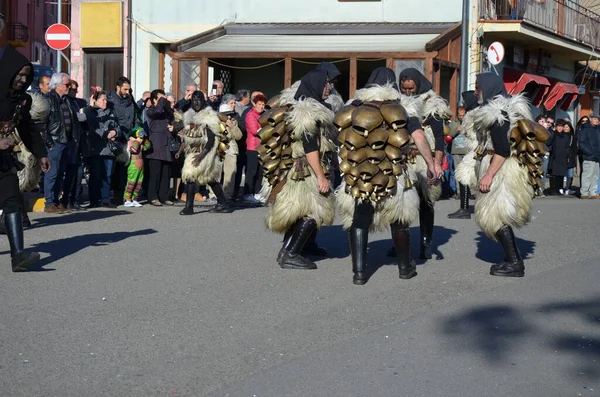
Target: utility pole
464	49
58	52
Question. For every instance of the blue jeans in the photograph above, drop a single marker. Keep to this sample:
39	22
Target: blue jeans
451	177
100	177
545	169
53	179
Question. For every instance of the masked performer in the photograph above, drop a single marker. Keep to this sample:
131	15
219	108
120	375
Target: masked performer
205	142
15	106
377	188
296	142
334	101
505	165
430	110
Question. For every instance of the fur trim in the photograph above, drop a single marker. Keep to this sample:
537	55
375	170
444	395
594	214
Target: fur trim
412	104
208	171
508	203
465	171
179	116
40	107
402	207
436	106
335	101
287	94
377	93
418	171
304	116
29	177
299	199
498	110
204	118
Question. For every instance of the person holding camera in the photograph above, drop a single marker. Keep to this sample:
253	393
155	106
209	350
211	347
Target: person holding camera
215	97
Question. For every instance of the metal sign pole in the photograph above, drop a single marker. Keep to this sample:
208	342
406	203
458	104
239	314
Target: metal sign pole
59	53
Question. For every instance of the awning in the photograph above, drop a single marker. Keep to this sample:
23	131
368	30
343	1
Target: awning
537	85
562	94
313	37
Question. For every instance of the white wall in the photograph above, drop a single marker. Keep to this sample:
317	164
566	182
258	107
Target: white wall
157	22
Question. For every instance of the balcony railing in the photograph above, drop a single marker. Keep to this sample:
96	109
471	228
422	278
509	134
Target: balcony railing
17	32
563	17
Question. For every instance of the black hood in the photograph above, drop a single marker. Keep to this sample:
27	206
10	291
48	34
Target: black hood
469	100
490	85
11	63
312	85
332	71
423	85
382	76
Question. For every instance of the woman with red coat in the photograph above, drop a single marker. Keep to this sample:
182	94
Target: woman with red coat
254	173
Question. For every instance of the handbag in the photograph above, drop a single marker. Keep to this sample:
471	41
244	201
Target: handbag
174	144
115	148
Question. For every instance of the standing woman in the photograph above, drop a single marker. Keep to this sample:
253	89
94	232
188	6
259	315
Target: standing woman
102	127
160	119
254	172
563	158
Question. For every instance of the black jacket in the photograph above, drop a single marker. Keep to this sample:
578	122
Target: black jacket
126	110
589	142
56	131
563	152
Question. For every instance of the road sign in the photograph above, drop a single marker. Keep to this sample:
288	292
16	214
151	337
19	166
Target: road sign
58	36
495	53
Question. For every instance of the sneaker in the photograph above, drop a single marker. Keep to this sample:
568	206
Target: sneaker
134	203
128	204
249	198
259	198
570	192
213	200
561	191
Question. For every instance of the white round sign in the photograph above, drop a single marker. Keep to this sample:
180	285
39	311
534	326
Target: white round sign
495	53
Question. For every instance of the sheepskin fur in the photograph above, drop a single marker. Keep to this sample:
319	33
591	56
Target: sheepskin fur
209	169
402	207
377	93
465	171
29	177
419	172
425	105
286	97
509	200
298	199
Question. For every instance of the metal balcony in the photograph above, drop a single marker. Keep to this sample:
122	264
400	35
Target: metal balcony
562	17
17	34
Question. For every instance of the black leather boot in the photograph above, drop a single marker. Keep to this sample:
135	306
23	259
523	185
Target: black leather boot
426	219
291	258
513	263
358	249
286	238
312	247
222	206
407	268
2	228
463	212
21	260
190	192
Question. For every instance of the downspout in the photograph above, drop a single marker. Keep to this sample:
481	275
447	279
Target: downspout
475	61
464	48
129	32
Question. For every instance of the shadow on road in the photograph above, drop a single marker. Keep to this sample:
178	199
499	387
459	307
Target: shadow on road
76	217
496	332
62	248
491	251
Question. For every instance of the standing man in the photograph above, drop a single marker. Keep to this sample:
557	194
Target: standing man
548	123
215	95
242	101
431	110
185	103
58	135
589	147
16	75
129	116
44	84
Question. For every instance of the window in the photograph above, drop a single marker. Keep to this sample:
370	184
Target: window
596	104
103	69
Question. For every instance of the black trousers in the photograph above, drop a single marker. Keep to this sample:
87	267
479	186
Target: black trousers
254	173
159	174
240	165
10	195
363	215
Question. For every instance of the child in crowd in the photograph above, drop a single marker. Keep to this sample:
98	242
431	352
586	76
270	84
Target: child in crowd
138	143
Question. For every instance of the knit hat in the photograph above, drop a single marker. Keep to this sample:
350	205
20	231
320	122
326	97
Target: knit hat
225	108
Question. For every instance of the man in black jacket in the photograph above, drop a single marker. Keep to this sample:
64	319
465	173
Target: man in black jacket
59	134
589	147
16	74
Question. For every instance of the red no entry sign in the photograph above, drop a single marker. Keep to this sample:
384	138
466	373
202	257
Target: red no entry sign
58	36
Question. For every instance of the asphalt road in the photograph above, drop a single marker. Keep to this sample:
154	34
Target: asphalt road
144	302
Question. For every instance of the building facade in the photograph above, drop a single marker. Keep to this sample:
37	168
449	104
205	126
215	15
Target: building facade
26	23
269	45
